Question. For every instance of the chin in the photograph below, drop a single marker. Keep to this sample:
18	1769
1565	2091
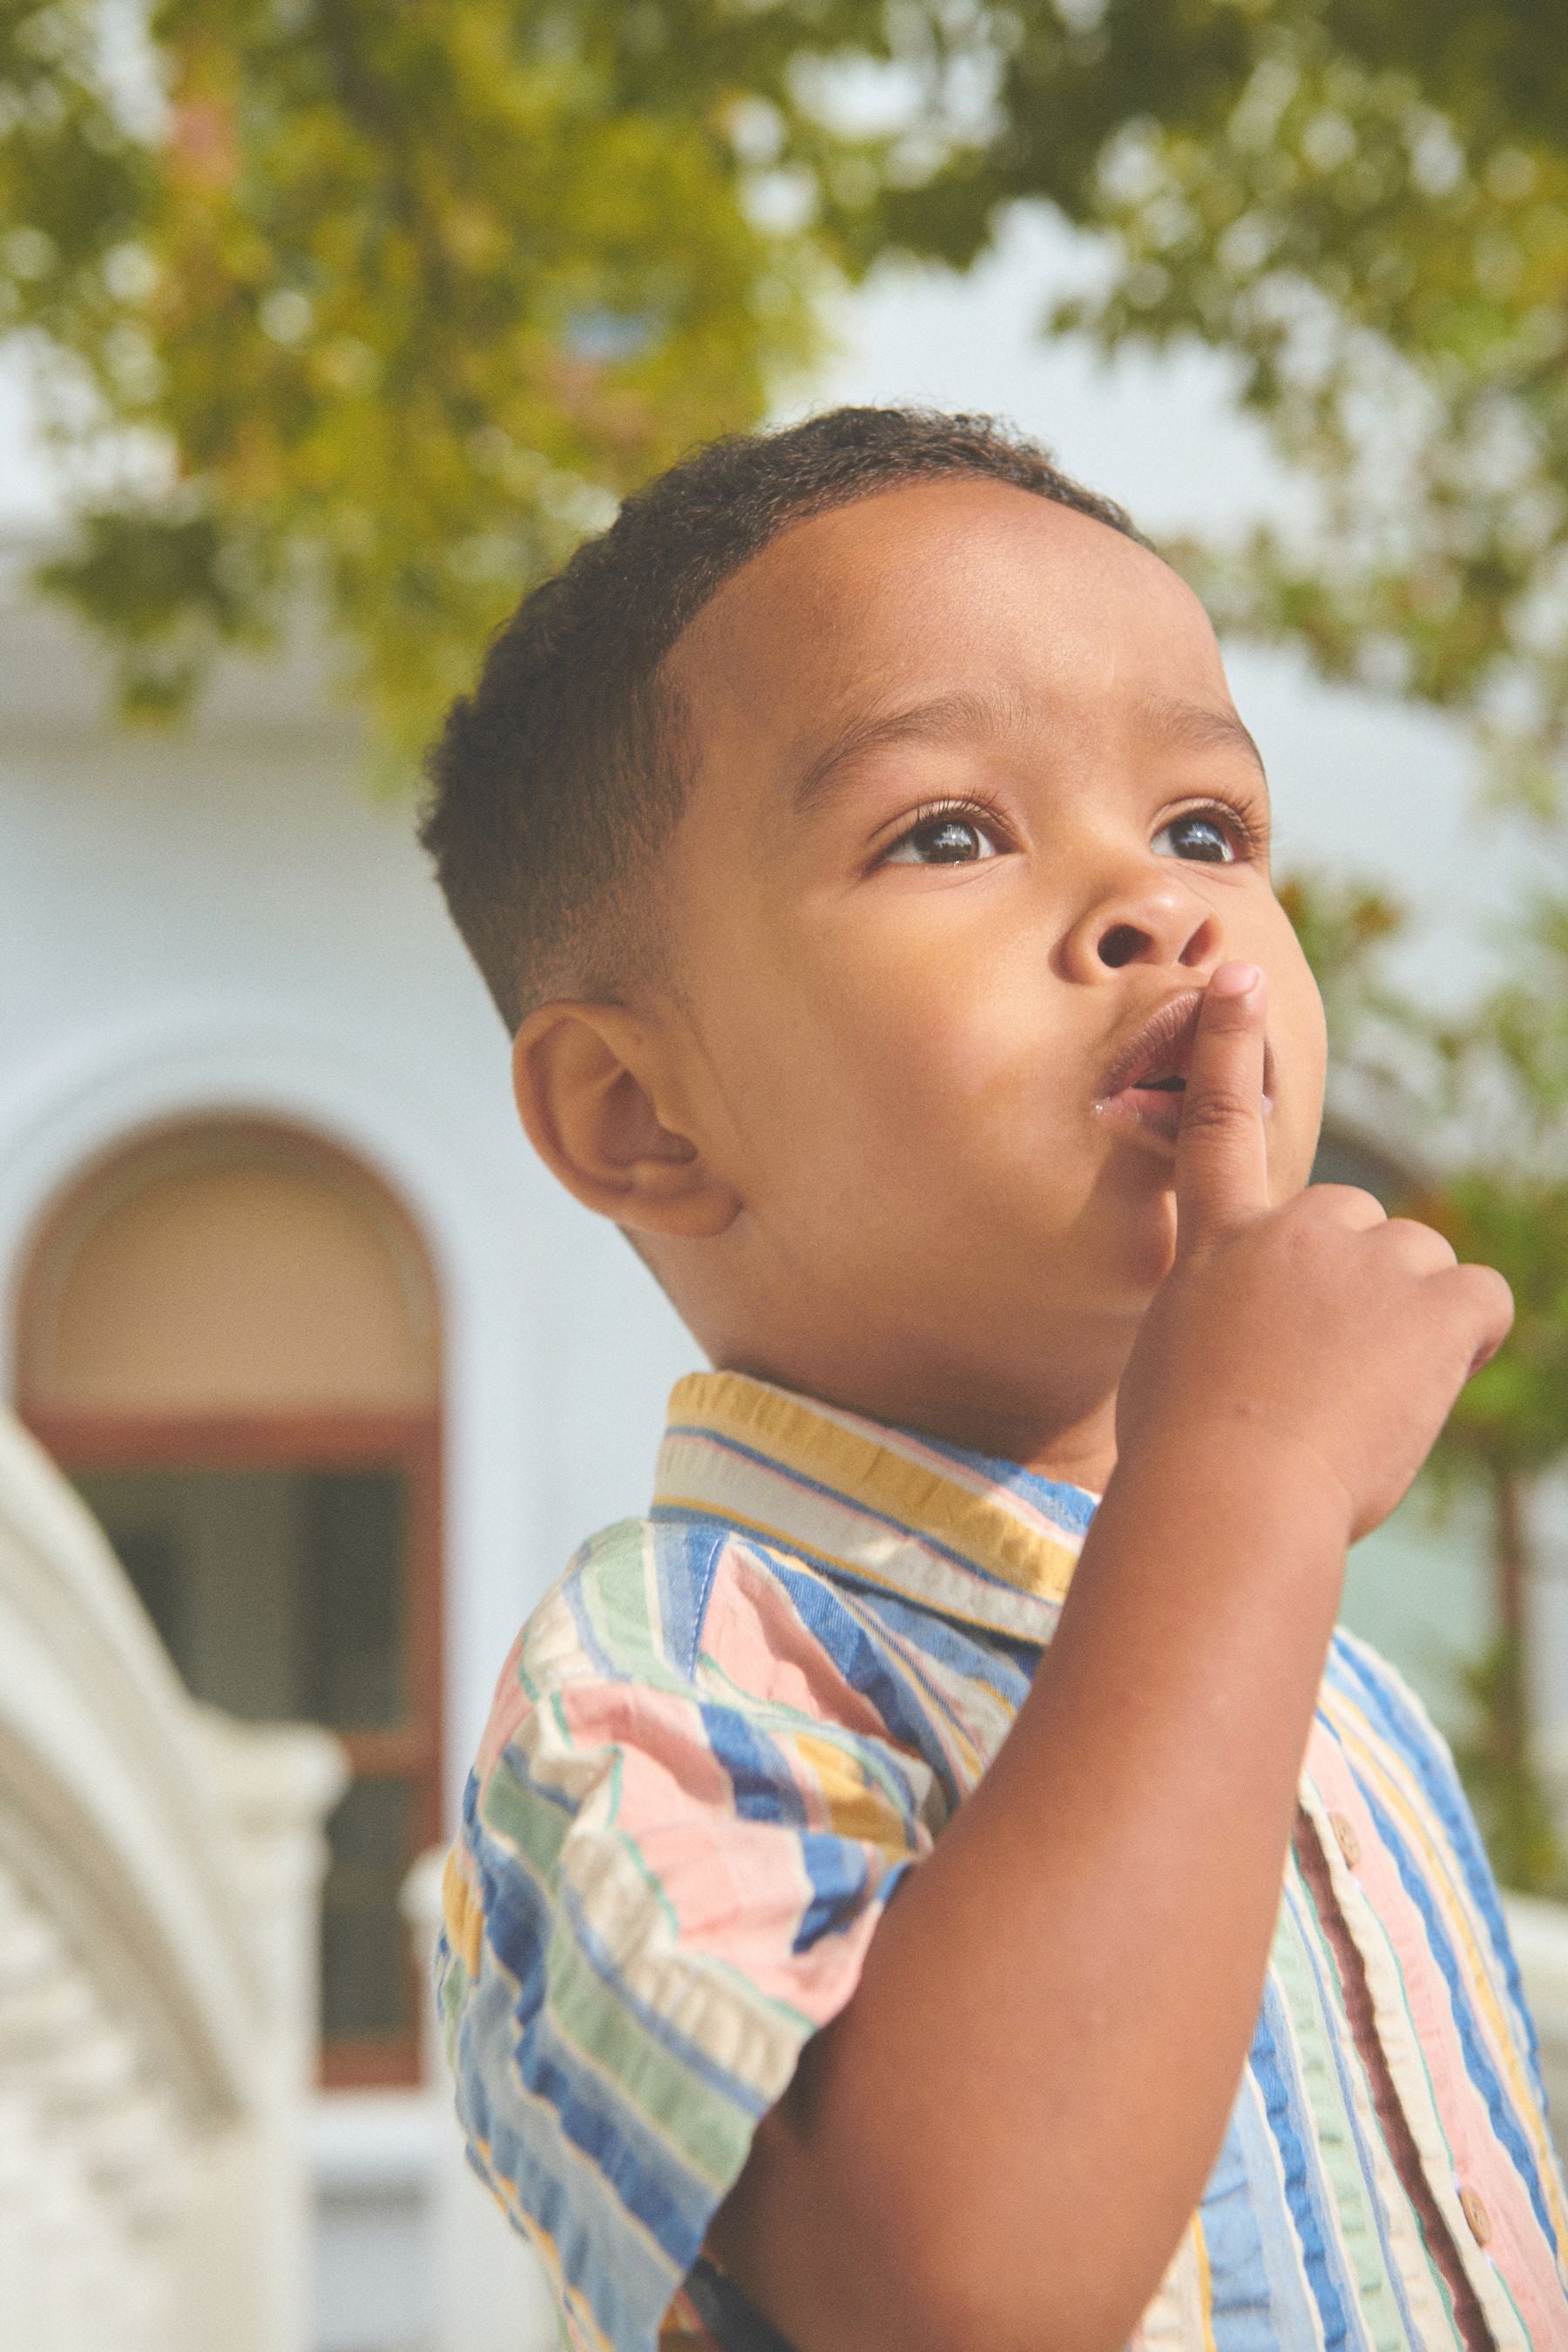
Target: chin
1151	1251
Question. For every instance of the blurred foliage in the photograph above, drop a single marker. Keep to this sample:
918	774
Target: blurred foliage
1508	1431
1513	1810
1365	203
395	299
1343	927
387	303
1484	1103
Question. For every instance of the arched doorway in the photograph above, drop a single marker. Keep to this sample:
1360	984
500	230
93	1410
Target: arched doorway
229	1338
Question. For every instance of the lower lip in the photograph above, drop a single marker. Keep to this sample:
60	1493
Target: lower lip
1153	1115
1148	1109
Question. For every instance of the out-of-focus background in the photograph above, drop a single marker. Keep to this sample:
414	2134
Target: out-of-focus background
326	327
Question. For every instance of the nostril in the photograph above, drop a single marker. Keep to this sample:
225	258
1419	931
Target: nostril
1121	944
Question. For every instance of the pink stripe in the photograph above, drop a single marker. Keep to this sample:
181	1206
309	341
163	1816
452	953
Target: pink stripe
1480	2162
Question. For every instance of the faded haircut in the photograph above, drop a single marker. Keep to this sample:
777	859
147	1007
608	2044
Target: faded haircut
556	782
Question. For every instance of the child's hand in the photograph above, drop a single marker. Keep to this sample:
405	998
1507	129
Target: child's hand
1321	1337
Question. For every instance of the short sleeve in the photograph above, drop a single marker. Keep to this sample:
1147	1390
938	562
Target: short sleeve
685	1822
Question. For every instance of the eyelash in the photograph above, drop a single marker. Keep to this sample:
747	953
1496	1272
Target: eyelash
933	812
1250	835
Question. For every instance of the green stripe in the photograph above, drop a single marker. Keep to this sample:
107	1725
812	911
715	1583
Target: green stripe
709	2132
1377	2299
534	1825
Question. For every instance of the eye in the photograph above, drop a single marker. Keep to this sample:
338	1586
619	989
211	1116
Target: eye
1199	836
953	836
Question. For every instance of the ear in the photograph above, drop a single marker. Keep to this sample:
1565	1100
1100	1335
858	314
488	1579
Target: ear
594	1096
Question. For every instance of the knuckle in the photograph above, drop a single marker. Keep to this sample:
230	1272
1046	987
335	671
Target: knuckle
1215	1110
1421	1243
1346	1204
1492	1293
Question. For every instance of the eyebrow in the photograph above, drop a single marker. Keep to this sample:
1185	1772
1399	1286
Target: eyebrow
1201	726
942	718
950	718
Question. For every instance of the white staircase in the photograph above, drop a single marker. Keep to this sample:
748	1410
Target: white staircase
160	1873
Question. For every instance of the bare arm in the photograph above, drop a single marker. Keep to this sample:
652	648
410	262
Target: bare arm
999	2141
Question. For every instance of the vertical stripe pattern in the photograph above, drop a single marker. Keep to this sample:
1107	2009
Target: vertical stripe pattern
716	1747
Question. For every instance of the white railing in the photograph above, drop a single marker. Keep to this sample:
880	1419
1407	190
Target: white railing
160	1873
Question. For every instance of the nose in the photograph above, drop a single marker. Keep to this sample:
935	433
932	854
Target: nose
1157	920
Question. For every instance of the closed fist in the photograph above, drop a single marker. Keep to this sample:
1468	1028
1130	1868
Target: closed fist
1323	1335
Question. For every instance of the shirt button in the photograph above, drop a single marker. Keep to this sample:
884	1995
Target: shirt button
1344	1832
1475	2214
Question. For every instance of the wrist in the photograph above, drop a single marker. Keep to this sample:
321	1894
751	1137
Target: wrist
1239	1457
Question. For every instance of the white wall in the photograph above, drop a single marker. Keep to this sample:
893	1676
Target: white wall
224	917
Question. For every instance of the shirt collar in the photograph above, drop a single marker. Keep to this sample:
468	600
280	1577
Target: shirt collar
979	1539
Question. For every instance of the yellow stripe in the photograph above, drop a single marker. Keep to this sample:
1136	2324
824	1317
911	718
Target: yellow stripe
1438	1869
855	1809
462	1913
571	2299
1205	2286
868	1473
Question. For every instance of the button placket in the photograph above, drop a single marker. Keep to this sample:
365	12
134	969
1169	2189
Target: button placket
1469	2275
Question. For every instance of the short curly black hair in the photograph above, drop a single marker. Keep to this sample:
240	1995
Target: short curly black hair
556	782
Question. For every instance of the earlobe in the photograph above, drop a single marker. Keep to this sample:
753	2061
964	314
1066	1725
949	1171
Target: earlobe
592	1094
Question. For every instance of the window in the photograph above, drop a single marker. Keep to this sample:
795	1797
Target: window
228	1340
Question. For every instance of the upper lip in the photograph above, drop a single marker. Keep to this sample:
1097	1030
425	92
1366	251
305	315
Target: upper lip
1163	1047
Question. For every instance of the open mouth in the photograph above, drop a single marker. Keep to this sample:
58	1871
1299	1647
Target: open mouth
1148	1079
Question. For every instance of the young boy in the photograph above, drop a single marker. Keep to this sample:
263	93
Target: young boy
862	844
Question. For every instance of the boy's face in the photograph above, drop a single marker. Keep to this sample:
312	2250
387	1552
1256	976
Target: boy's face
969	805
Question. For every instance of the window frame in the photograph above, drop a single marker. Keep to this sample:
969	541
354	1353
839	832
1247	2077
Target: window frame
406	1439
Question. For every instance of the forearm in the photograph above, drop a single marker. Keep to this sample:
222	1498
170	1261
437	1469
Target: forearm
1000	2139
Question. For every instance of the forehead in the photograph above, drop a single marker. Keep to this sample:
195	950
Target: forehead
969	591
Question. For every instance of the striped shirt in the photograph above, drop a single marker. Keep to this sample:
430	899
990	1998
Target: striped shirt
717	1746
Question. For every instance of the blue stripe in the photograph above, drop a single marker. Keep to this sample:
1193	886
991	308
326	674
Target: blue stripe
832	1621
846	1501
910	1709
1284	2103
1381	1700
597	2117
1003	1666
1379	1696
761	1781
685	1561
1296	2323
1070	1508
1332	2004
1478	2060
521	1916
1241	2302
840	1874
619	2276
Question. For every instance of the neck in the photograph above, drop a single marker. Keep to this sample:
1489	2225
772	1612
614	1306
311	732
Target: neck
1079	1450
1068	1432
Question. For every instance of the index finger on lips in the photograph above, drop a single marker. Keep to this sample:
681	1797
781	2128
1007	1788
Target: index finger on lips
1222	1161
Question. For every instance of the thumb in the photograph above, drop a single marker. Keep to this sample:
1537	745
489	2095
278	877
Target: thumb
1221	1164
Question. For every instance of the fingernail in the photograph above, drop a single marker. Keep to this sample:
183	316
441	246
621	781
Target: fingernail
1235	980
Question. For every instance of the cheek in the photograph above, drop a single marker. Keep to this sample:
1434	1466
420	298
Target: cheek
913	1062
949	1049
1300	1047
